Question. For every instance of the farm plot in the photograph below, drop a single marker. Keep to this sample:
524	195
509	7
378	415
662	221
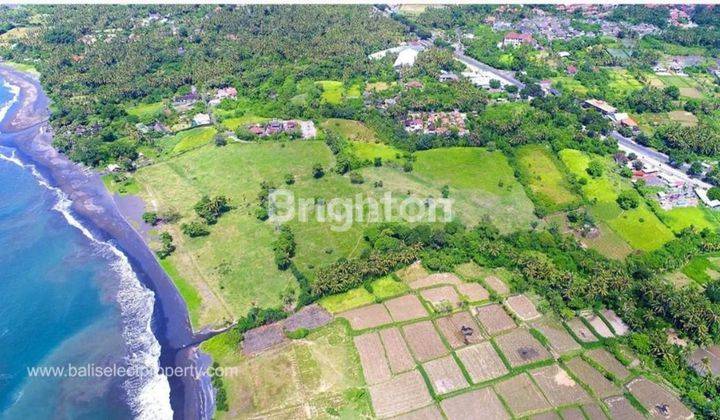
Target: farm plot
609	363
616	323
452	326
580	331
521	348
597	324
372	358
596	381
430	412
405	308
494	319
545	180
445	375
522	396
497	285
482	362
424	341
558	338
262	338
594	412
621	408
350	130
473	292
370	316
559	388
435	279
438	297
523	307
572	413
396	350
401	394
465	406
658	400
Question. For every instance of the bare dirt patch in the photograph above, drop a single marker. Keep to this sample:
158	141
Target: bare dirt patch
522	396
262	338
598	325
608	362
405	308
560	341
473	292
468	406
370	316
616	323
497	285
438	295
558	386
572	413
550	415
521	348
494	318
445	375
657	400
424	341
430	412
403	393
310	317
482	362
452	327
372	358
596	381
396	350
621	408
413	272
436	279
523	307
582	332
594	412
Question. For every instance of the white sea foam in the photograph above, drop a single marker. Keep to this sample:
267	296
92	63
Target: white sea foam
149	395
6	107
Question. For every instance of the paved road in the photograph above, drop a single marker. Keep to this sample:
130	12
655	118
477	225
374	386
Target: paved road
468	61
639	149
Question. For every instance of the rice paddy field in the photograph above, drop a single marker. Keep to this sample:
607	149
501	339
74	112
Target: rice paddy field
689	88
648	121
639	227
351	130
187	140
622	82
146	112
700	218
335	92
543	176
703	268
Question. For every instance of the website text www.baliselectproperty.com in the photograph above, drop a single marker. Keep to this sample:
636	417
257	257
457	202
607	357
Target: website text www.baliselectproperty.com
119	371
341	213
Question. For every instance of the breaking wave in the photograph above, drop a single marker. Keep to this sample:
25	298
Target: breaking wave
6	106
148	393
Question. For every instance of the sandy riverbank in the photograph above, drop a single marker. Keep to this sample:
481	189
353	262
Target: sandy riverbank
25	129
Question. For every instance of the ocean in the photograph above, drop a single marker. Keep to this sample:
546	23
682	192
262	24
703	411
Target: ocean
70	303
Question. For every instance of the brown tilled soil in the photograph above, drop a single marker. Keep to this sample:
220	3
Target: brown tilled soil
582	332
451	325
616	323
598	325
494	318
396	350
445	375
608	362
437	295
310	317
594	412
262	338
470	405
522	307
548	415
372	358
401	394
424	341
405	308
436	280
430	412
482	362
596	381
621	408
370	316
521	348
660	402
413	272
561	342
572	413
559	388
497	285
474	292
522	396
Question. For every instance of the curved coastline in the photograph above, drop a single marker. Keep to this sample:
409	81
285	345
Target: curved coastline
25	129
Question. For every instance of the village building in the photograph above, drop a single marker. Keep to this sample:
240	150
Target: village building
406	58
201	119
414	84
304	129
514	39
602	106
446	76
571	70
440	123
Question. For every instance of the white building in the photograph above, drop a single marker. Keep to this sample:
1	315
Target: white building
201	119
406	58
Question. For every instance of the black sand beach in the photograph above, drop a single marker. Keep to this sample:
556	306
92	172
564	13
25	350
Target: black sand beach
25	128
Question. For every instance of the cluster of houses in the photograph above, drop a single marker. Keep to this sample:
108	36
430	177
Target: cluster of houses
440	123
305	129
620	118
675	65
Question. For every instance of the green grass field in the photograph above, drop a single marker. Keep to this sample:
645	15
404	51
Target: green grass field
482	184
380	289
703	268
146	112
350	129
320	374
700	218
570	85
235	122
332	91
186	140
370	151
543	176
622	82
638	227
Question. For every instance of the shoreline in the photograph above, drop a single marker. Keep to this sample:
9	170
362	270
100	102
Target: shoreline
25	129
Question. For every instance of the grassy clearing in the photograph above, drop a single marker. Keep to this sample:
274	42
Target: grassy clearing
622	82
344	301
235	122
125	186
332	91
378	86
543	176
186	140
568	84
683	217
648	122
638	227
146	112
319	374
350	129
189	294
370	151
703	268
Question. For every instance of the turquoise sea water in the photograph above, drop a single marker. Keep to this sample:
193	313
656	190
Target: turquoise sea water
58	307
